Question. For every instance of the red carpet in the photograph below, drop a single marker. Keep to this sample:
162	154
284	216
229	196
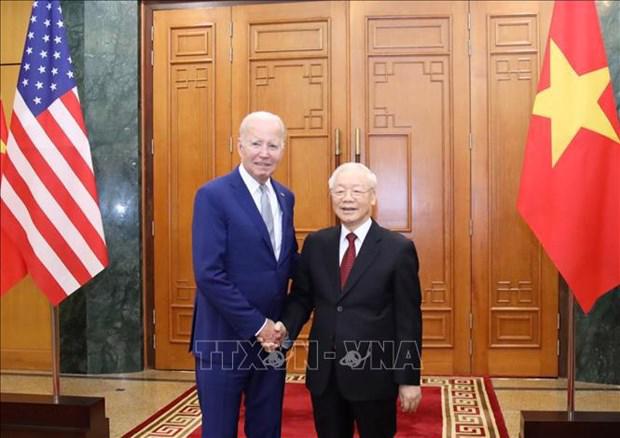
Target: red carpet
456	407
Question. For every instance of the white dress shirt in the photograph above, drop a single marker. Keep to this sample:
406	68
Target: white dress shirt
254	189
360	235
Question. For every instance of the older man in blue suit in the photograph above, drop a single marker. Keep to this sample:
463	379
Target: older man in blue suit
244	250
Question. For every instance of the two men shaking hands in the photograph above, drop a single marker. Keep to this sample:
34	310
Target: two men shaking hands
358	279
272	336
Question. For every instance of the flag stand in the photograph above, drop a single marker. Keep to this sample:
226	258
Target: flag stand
55	354
569	424
30	415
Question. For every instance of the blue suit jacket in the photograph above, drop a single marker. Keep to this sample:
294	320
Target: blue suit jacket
239	282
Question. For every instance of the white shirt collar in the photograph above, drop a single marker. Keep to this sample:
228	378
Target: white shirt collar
250	182
360	232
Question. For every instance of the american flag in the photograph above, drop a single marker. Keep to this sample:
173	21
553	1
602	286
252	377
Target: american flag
50	206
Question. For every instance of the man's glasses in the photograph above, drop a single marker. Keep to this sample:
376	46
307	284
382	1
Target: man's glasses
356	193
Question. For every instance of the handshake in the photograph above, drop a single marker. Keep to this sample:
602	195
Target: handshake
272	336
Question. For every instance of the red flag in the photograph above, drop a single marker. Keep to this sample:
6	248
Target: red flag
570	184
12	266
49	199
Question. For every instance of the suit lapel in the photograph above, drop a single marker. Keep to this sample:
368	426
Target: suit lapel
332	254
285	217
368	253
243	196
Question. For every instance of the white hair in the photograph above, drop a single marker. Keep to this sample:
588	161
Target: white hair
371	178
261	115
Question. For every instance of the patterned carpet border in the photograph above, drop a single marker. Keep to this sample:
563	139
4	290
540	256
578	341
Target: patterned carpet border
469	407
177	419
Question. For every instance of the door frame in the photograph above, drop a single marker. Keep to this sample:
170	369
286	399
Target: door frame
147	9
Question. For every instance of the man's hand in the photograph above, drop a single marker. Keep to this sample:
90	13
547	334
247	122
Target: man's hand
410	397
280	328
271	336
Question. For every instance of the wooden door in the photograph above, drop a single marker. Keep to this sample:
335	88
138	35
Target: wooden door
291	59
191	119
515	287
410	111
442	129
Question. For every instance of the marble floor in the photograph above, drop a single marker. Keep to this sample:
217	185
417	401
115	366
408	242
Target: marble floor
149	390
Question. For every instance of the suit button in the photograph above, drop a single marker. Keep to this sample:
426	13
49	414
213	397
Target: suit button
339	309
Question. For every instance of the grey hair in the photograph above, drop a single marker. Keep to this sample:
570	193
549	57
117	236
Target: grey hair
261	115
371	178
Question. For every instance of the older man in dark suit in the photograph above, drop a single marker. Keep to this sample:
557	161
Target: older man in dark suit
244	250
361	281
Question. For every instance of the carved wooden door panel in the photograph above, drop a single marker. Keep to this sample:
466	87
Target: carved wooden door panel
515	287
191	119
410	111
290	59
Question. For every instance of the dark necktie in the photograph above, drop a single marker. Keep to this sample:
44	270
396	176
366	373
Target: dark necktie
347	261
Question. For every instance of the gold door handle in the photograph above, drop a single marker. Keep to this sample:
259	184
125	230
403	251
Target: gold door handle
337	141
358	149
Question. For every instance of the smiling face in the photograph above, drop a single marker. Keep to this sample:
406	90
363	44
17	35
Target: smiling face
352	198
261	147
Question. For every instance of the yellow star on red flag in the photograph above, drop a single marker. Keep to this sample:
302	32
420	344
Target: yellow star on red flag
571	102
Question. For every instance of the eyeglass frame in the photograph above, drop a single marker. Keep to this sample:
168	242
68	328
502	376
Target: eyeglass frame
355	193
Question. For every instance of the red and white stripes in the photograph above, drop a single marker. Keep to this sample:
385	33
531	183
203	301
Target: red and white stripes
50	198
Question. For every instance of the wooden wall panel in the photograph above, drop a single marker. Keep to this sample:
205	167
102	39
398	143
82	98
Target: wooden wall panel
290	59
515	285
393	163
406	34
306	111
191	146
409	59
8	84
308	173
14	15
288	39
191	161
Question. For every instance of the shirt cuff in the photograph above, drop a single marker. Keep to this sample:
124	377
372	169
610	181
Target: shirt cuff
287	343
261	328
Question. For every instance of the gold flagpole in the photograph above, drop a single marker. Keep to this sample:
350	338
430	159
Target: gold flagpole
570	377
55	353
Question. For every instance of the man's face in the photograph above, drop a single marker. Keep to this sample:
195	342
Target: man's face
261	149
352	198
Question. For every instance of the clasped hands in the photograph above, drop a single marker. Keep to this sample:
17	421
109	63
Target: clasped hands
272	335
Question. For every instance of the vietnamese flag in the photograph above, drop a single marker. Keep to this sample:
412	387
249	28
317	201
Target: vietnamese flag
570	183
12	266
